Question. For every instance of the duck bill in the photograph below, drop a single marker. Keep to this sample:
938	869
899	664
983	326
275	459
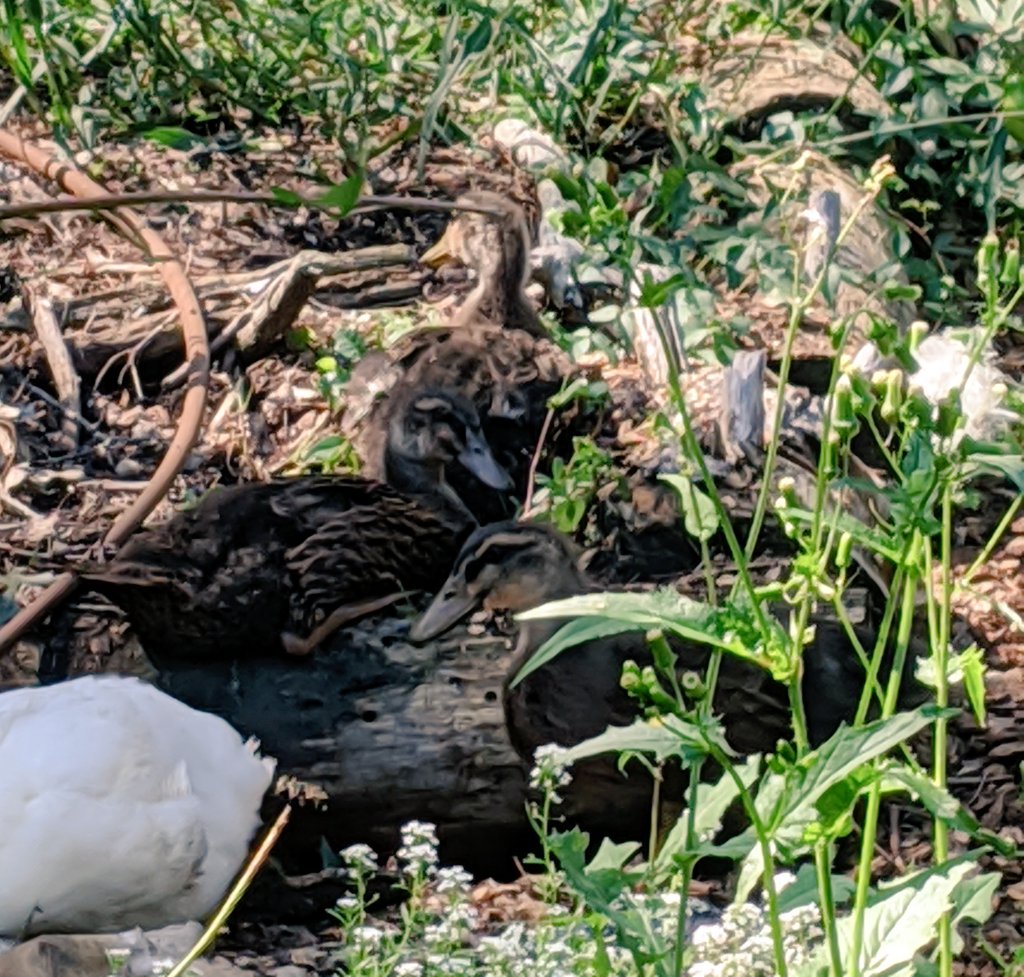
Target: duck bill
476	458
442	253
442	613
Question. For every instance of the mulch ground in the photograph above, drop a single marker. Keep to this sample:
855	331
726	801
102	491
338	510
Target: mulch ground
59	492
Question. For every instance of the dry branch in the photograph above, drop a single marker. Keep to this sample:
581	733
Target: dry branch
58	358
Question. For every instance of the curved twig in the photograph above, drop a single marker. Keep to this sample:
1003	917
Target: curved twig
112	201
197	355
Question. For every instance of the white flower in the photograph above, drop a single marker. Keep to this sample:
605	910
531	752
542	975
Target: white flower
783	880
550	770
418	858
454	880
408	968
414	832
359	858
347	902
368	936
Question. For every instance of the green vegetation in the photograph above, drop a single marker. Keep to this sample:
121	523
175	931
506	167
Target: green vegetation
652	178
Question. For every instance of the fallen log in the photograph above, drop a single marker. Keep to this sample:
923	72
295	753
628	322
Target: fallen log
389	731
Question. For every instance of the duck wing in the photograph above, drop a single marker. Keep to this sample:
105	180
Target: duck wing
396	544
208	583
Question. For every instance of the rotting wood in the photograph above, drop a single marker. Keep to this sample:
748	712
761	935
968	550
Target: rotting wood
754	76
58	358
864	260
741	424
284	295
392	731
389	731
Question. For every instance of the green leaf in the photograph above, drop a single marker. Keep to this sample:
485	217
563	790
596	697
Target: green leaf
480	38
806	798
287	198
578	389
612	856
942	805
656	293
711	803
663	608
973	900
699	515
606	890
804	889
342	197
574	633
665	737
967	666
901	920
174	137
972	664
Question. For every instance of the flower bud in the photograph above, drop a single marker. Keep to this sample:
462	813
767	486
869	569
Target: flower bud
988	252
1009	274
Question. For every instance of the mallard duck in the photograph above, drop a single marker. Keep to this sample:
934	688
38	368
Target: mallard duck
494	351
517	566
253	569
119	807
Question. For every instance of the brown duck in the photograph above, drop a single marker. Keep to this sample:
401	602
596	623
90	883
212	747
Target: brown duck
260	568
494	352
516	566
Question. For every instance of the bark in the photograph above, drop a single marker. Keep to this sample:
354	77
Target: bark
389	731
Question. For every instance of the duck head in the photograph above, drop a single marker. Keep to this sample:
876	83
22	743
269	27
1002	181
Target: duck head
506	566
490	236
431	431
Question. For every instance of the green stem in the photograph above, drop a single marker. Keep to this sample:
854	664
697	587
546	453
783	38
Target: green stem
941	655
867	852
826	902
694	452
983	557
764	843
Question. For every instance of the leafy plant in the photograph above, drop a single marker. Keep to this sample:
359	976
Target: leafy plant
571	487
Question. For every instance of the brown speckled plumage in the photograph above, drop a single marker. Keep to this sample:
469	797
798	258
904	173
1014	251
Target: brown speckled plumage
254	569
494	352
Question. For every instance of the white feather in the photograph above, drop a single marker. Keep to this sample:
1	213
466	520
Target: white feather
119	807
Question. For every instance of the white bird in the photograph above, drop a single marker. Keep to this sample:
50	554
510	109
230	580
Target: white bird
119	807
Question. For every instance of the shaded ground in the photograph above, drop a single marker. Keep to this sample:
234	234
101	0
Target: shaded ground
58	498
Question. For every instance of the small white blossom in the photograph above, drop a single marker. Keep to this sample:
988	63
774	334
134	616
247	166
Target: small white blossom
359	858
783	880
347	902
408	968
550	771
418	851
367	936
455	880
414	832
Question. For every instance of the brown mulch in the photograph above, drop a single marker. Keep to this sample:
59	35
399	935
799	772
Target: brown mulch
61	498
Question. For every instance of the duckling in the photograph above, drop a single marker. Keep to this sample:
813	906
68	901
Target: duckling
254	569
514	567
494	351
491	236
119	807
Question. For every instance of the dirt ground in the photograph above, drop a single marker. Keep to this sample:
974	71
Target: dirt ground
61	486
